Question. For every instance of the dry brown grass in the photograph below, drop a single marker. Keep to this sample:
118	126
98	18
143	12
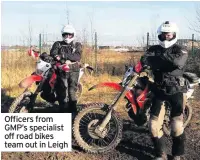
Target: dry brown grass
18	65
15	66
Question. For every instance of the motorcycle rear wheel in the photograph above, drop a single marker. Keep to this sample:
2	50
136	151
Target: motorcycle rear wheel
20	103
85	123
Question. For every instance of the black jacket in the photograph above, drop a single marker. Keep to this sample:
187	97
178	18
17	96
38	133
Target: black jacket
66	51
167	65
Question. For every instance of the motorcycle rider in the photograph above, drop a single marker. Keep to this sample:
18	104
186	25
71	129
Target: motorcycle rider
67	51
167	62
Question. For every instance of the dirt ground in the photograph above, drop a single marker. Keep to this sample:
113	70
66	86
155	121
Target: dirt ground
135	145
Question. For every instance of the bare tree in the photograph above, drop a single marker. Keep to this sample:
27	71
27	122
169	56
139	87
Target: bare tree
84	36
91	18
29	33
27	36
141	41
194	58
195	25
67	12
154	26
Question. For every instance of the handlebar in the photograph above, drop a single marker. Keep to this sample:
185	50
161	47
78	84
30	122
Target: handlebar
64	65
71	66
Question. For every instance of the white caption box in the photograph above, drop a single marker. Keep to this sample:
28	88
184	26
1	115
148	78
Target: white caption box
36	132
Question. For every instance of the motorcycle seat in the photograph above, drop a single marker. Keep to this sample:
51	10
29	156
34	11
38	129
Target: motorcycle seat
192	77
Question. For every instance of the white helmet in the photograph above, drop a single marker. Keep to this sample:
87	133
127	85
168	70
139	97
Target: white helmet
167	27
68	29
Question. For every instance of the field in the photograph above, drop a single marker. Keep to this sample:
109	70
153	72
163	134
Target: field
136	142
111	66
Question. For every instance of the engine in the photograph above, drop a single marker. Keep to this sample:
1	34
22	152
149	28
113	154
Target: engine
142	114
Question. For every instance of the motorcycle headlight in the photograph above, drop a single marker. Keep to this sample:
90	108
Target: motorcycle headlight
39	71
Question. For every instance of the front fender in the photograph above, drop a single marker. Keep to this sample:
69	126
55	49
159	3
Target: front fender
116	86
112	85
28	81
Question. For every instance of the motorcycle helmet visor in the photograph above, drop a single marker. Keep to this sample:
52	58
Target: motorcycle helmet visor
167	36
70	35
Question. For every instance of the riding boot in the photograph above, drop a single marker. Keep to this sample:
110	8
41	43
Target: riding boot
178	145
72	108
159	147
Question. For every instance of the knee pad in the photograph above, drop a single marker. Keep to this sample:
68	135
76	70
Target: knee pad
155	127
177	126
72	96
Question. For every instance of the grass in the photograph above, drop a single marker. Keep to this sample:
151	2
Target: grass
111	66
18	65
15	67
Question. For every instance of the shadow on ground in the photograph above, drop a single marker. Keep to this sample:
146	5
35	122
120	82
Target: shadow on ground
6	101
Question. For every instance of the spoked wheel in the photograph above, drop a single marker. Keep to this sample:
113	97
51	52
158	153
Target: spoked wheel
187	115
19	105
84	129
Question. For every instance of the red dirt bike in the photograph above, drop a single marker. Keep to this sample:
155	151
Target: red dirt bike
98	128
45	79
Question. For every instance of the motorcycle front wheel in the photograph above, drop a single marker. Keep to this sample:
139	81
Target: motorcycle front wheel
19	105
84	129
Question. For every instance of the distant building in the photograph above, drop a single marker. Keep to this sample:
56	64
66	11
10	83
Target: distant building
104	47
4	48
121	49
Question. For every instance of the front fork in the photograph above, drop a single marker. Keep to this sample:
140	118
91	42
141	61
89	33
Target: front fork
100	130
34	95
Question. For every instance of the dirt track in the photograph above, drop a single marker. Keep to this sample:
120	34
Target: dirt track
136	143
